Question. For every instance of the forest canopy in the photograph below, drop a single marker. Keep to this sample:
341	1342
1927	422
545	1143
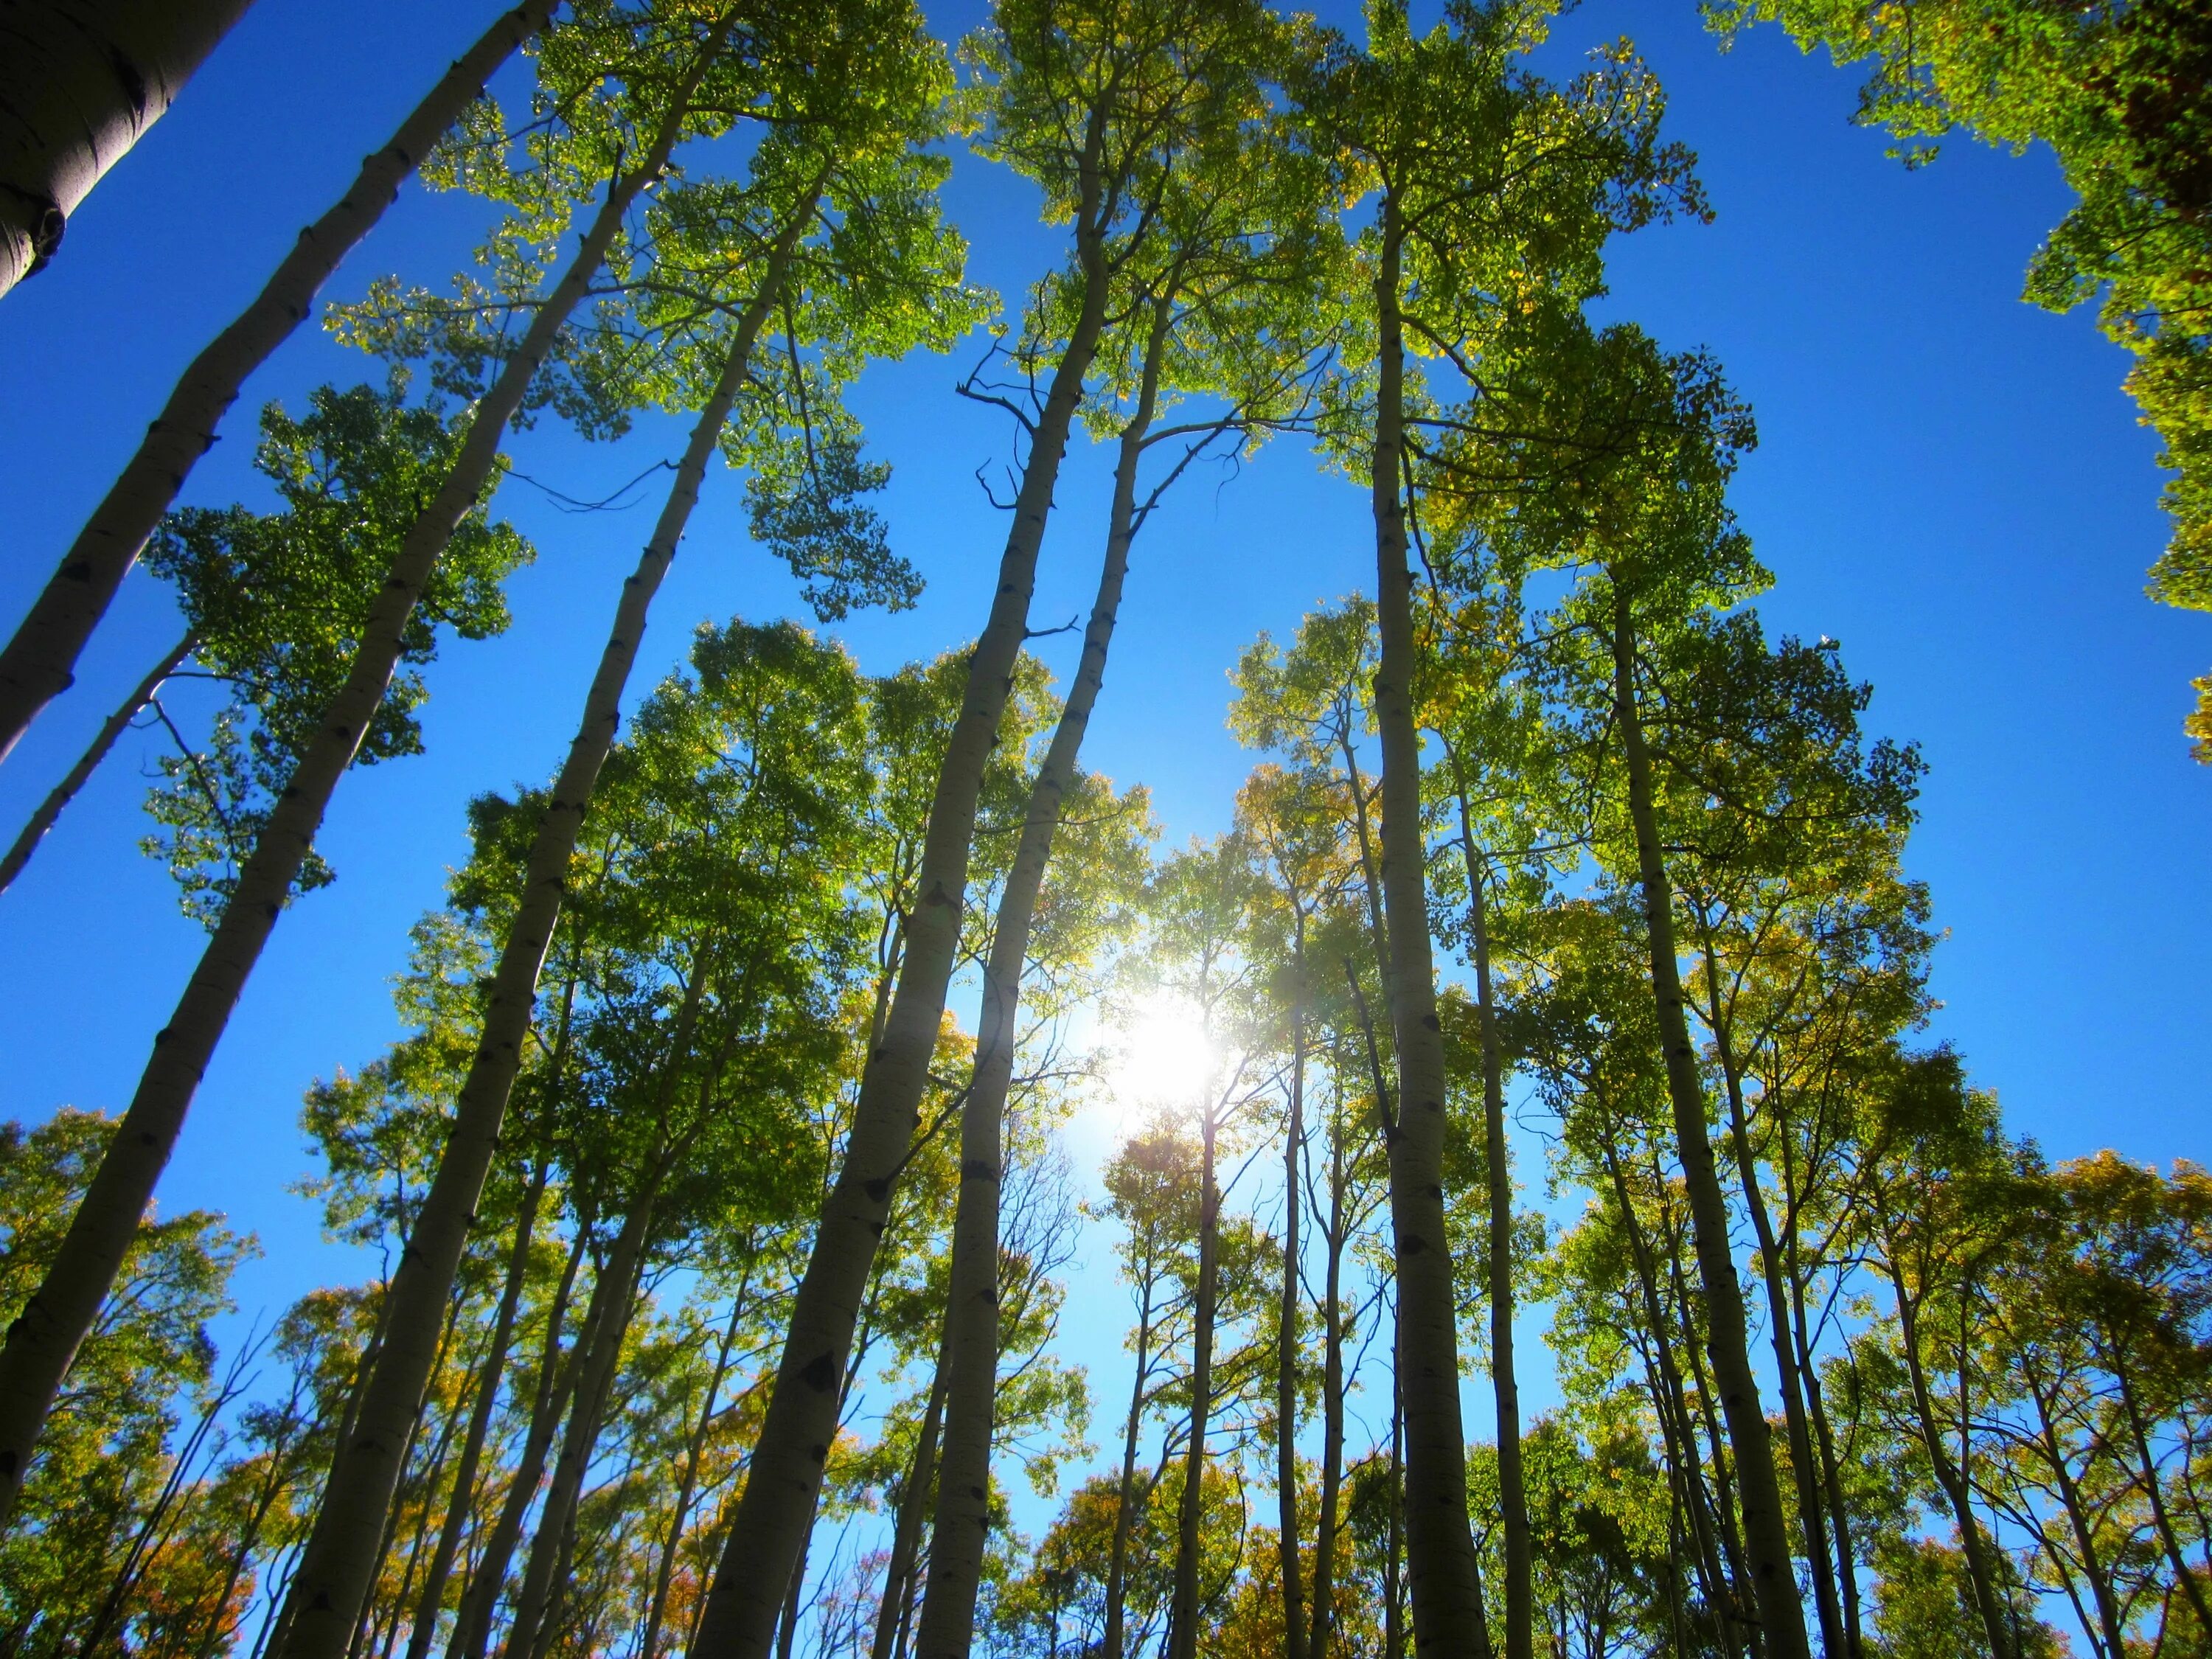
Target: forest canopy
840	1173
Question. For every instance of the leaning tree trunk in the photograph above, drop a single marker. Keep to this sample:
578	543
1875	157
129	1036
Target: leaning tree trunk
556	1377
785	1475
112	727
1286	1323
586	1411
332	1577
1439	1547
363	1482
1505	1388
913	1509
41	660
80	81
1182	1608
1332	1400
962	1522
1117	1557
687	1488
1759	1493
432	1598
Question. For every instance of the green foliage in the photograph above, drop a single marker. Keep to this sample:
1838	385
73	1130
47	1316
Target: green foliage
276	603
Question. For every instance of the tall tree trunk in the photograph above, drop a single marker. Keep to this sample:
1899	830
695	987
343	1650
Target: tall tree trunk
2111	1624
1505	1391
1117	1558
913	1508
1440	1548
1332	1400
687	1488
1766	1527
2154	1489
80	83
333	1576
786	1473
962	1524
112	727
363	1483
1723	1593
481	1411
556	1373
1812	1508
41	660
1287	1531
1183	1608
1989	1601
595	1377
1394	1543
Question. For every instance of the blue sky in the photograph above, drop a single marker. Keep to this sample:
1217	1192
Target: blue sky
1950	483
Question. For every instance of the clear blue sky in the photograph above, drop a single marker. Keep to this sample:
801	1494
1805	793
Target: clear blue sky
1951	483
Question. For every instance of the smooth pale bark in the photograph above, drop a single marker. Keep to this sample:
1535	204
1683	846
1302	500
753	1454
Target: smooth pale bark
1295	1632
588	1412
1812	1508
481	1411
112	727
332	1577
687	1489
1117	1557
1759	1493
784	1476
556	1376
1989	1603
1183	1607
364	1480
1505	1391
39	662
914	1507
80	83
961	1525
1332	1400
1721	1592
1439	1546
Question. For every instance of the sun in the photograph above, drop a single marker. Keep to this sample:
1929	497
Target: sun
1164	1059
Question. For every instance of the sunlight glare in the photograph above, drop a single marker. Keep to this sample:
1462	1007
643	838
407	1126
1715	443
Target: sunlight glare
1163	1061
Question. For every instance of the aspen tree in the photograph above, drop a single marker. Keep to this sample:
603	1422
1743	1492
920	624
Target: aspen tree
39	661
1098	109
82	80
1217	315
1493	189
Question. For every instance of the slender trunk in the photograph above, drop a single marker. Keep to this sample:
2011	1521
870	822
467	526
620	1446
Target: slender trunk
906	1535
961	1522
330	1568
1394	1544
1287	1532
1440	1549
1117	1559
1811	1509
1331	1401
597	1362
1721	1594
112	727
687	1489
1989	1602
786	1473
1512	1487
333	1571
39	661
390	1631
1832	1474
1183	1608
2169	1541
1765	1530
2111	1624
80	83
481	1411
556	1373
786	1635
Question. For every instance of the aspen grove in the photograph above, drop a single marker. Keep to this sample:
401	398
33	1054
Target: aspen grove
880	1133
